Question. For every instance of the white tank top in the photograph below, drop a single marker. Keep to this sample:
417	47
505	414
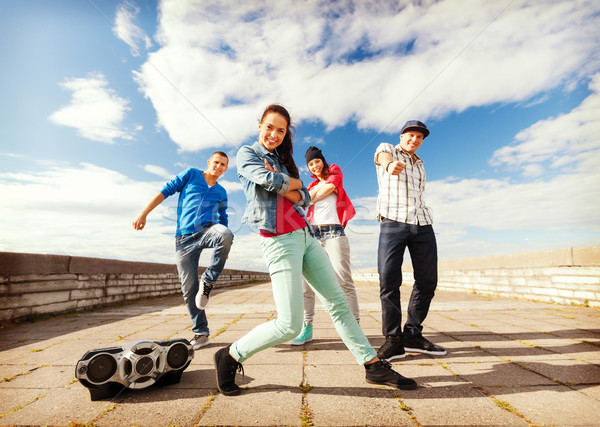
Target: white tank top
325	211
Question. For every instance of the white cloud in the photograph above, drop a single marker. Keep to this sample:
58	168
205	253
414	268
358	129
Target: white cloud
366	208
126	29
95	110
565	202
246	253
313	140
231	186
561	157
508	217
158	171
221	63
557	141
363	239
85	210
506	212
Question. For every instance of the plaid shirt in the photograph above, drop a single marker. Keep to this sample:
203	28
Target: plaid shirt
401	196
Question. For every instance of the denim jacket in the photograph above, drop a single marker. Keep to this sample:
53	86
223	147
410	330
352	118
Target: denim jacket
262	186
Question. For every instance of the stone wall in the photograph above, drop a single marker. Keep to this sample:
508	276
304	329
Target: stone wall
34	284
565	276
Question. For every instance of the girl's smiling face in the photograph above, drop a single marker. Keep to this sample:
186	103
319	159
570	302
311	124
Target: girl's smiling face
315	166
272	130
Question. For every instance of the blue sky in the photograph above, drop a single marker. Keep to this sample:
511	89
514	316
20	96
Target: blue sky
104	101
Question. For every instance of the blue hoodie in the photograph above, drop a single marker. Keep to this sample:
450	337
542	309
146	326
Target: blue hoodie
198	203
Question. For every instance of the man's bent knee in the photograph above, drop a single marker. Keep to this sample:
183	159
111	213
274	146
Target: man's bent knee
224	232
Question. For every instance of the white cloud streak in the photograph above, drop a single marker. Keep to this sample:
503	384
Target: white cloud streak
231	186
83	210
569	140
95	110
128	31
87	210
564	200
220	63
158	171
356	61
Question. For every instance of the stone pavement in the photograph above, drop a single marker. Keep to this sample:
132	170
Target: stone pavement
509	362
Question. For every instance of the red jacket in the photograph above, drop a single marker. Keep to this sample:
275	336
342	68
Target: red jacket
345	209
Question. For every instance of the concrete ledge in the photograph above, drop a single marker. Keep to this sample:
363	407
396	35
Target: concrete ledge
584	256
33	284
12	263
566	276
99	265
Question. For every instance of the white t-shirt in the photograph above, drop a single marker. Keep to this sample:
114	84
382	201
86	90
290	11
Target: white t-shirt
325	211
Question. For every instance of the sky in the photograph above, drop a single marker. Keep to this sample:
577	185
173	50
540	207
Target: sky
105	101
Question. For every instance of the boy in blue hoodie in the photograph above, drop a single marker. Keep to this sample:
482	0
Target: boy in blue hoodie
202	222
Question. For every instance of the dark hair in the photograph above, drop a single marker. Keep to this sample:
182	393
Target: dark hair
325	172
220	153
286	149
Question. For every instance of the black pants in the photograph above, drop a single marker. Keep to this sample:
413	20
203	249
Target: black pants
394	238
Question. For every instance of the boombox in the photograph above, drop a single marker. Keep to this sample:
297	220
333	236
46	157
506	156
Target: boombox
108	371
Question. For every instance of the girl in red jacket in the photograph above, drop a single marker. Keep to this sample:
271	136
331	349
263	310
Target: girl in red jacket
329	211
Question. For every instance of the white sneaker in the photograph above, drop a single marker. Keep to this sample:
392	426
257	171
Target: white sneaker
203	294
199	341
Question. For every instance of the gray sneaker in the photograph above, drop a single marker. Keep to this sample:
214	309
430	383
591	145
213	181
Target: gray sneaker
199	341
203	294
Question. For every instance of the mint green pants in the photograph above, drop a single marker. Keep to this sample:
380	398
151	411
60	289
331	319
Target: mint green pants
289	257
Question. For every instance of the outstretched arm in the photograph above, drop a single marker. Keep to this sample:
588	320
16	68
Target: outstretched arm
140	222
388	164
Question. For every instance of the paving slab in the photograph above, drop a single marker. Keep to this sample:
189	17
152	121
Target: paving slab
509	362
458	404
555	405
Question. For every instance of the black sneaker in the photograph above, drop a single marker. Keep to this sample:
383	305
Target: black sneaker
391	349
420	344
381	372
225	365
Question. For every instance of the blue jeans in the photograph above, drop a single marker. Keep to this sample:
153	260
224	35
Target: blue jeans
394	238
323	232
288	257
188	249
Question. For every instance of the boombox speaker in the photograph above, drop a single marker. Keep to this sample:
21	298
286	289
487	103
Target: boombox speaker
108	371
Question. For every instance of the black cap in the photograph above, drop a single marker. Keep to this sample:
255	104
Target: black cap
415	125
313	153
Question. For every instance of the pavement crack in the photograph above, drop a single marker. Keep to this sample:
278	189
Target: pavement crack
499	403
306	414
17	408
104	412
205	408
502	404
27	372
224	328
407	409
